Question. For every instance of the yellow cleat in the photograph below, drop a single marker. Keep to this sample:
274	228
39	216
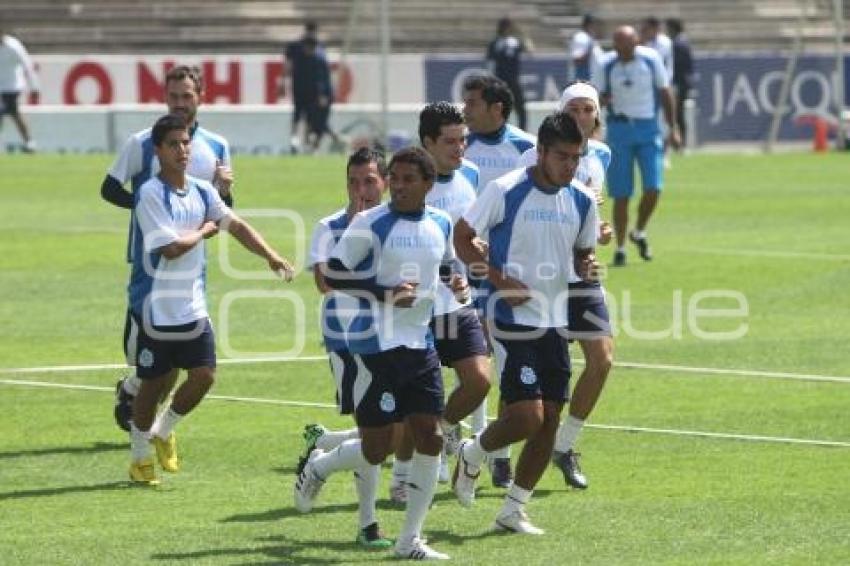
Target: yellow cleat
142	472
166	452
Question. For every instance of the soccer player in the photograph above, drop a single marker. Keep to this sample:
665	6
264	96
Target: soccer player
138	162
390	258
366	182
493	145
458	333
174	214
16	73
652	36
504	55
496	148
589	322
584	49
632	81
538	225
683	70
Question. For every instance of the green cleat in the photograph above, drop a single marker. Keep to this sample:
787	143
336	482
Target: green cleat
312	434
372	537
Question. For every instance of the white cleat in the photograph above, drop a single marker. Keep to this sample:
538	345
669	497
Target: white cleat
417	549
465	476
308	484
516	522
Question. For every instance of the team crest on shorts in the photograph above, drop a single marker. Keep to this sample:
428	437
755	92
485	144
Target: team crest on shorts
145	358
387	402
527	375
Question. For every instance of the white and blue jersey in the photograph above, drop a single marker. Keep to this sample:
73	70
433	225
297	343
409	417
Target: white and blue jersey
497	154
591	168
390	248
532	235
338	308
633	86
170	292
137	162
453	194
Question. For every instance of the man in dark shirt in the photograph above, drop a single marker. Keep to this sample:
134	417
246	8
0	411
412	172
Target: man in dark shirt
298	66
683	69
503	60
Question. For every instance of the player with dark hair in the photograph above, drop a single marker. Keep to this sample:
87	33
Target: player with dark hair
137	162
174	214
538	225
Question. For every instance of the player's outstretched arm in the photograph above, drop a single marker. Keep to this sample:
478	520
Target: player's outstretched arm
254	242
188	241
114	192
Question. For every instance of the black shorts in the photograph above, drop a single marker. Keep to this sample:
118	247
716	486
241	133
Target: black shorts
9	103
533	363
458	335
165	348
403	382
350	379
588	314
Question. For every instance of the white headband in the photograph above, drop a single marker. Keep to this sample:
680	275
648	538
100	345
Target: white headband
578	90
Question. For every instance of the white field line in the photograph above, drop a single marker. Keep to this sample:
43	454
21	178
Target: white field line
625	428
768	253
578	361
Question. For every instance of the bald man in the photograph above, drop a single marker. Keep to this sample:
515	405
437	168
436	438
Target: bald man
635	85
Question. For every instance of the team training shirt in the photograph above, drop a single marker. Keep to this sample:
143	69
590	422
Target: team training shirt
591	168
392	248
453	194
137	162
170	292
497	154
633	85
16	68
338	308
532	235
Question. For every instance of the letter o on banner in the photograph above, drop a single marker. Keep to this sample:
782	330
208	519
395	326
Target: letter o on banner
91	71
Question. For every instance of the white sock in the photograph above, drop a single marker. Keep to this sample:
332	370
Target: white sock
474	453
421	484
140	447
131	383
346	456
401	470
515	499
479	418
504	452
639	234
567	433
621	249
165	423
366	481
333	438
445	425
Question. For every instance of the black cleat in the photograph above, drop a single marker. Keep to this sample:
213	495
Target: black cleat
642	246
123	407
500	472
567	462
619	259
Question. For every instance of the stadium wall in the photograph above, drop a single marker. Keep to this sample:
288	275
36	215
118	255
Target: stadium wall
90	103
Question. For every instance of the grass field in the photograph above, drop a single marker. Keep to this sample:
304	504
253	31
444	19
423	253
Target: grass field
771	231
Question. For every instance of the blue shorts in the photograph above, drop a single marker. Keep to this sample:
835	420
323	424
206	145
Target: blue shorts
403	382
458	335
350	379
588	314
632	140
534	363
165	348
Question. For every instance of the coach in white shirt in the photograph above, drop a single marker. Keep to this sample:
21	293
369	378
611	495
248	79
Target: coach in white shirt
17	73
633	83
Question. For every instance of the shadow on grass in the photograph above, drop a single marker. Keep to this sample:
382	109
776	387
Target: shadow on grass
51	491
93	448
282	550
